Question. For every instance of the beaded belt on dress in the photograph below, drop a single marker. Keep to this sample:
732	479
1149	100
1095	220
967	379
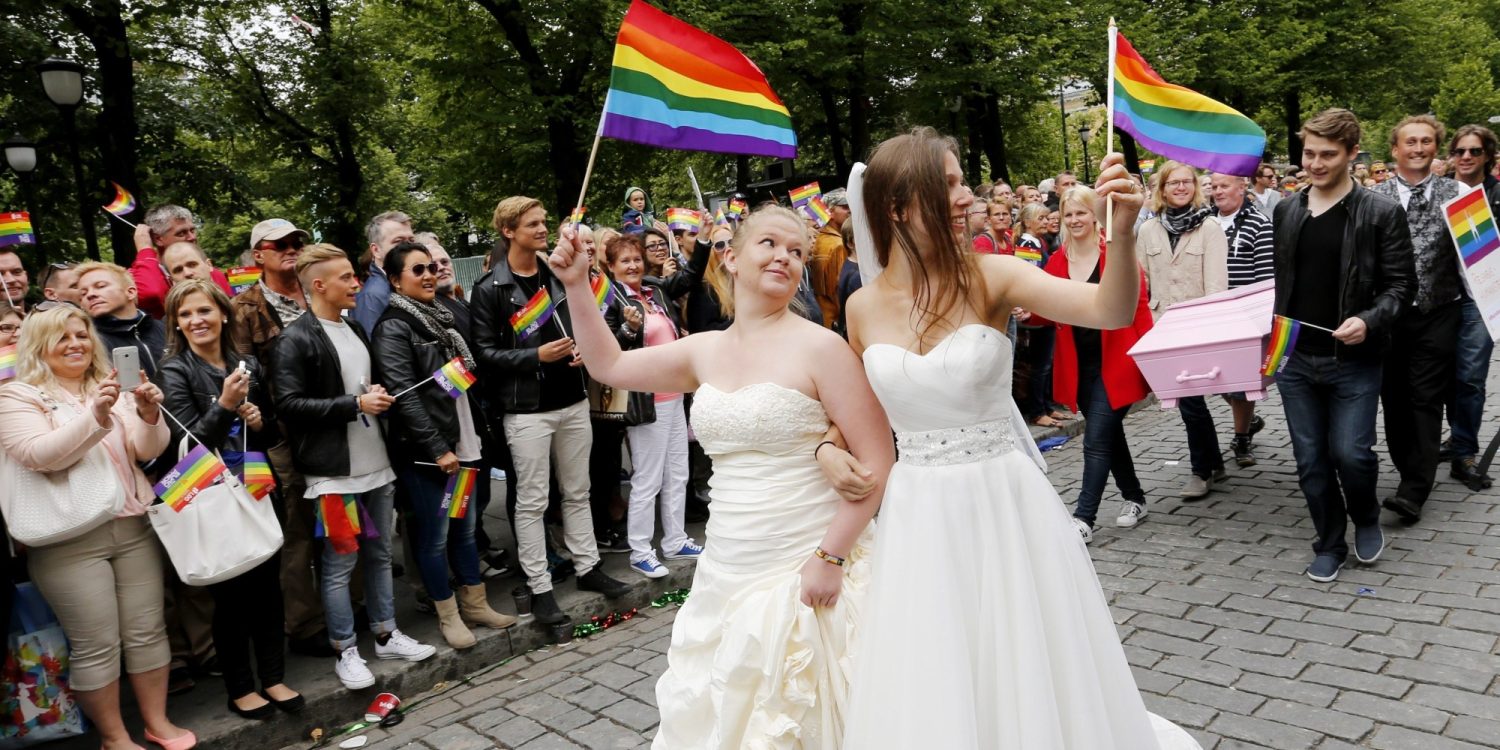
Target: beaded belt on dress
955	445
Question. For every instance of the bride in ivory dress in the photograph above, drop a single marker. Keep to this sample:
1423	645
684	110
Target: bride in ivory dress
761	649
985	627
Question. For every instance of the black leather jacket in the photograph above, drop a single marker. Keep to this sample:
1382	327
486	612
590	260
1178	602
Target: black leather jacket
1377	279
191	389
423	423
310	398
512	369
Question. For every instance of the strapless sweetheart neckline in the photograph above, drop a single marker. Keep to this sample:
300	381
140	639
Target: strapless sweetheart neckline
941	342
748	386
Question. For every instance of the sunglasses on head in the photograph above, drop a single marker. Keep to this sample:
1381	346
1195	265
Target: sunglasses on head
421	269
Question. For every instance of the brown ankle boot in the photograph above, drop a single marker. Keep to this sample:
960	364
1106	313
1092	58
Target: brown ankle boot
475	606
454	631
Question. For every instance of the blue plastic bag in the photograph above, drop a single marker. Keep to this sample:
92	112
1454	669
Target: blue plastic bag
36	705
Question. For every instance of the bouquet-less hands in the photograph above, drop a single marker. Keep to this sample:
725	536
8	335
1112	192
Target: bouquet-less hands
821	582
1117	183
848	476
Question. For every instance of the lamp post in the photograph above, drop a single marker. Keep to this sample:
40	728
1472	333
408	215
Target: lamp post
20	155
63	82
1083	135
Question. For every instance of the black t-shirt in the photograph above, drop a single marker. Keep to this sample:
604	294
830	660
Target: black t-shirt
1088	344
562	384
1315	294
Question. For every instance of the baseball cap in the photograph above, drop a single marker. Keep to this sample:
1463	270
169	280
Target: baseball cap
274	229
838	197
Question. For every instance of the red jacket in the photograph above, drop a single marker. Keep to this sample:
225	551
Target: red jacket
1122	379
152	283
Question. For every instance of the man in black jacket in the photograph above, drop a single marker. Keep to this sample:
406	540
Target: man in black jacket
532	373
1344	263
109	296
325	398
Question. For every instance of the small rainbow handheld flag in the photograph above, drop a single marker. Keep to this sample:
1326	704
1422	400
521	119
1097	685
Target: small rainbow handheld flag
256	475
577	216
454	377
738	209
15	229
1279	349
683	218
338	521
719	219
1177	122
123	203
817	210
538	311
197	471
459	491
243	278
805	193
604	292
1030	254
1473	226
8	362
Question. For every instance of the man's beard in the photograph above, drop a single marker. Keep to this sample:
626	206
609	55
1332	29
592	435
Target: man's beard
445	288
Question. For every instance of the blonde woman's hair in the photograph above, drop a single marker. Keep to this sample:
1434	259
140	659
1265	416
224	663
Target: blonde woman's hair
718	276
1159	186
41	333
1084	196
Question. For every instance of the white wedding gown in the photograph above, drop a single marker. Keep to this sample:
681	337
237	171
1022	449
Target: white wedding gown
750	666
985	627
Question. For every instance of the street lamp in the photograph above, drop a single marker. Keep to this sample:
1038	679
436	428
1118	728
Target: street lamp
1083	135
20	155
63	82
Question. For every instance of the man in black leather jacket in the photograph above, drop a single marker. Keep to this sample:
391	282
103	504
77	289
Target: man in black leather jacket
1343	263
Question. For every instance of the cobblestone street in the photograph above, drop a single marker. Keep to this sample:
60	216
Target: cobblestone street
1226	635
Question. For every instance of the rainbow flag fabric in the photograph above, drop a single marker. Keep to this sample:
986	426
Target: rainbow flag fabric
1029	254
1177	122
454	377
339	521
537	312
676	86
1283	340
683	218
577	216
604	292
243	278
719	219
805	193
1473	226
197	471
15	229
256	474
738	209
123	203
817	210
8	362
459	492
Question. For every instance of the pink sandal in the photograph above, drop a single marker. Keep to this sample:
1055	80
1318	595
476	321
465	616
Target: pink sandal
186	741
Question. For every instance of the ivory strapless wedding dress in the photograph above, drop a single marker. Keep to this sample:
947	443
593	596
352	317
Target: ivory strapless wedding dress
985	627
750	666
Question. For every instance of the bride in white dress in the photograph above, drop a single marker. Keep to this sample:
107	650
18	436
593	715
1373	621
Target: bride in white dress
985	628
761	650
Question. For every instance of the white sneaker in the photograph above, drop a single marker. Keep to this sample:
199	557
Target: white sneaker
1131	513
352	671
403	646
1084	530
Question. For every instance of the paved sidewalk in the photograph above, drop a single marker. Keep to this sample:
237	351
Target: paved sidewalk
1226	635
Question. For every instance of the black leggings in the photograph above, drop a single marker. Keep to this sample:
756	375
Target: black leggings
248	610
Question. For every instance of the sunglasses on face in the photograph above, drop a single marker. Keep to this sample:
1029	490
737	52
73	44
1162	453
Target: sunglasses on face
1475	151
1382	170
283	245
422	269
720	245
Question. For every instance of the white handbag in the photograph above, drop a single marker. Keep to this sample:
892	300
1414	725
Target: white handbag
47	507
222	533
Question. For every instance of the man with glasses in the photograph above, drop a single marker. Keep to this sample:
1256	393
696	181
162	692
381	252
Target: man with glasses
163	227
1380	172
13	277
1264	190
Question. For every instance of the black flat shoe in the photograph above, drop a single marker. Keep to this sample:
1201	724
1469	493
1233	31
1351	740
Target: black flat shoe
1408	511
259	714
292	705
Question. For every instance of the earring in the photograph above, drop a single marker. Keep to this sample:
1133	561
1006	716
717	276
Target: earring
729	266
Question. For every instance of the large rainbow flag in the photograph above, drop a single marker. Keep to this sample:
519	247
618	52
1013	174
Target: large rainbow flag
1177	122
15	229
676	86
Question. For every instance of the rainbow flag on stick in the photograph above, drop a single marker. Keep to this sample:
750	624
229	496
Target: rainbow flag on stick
805	193
243	278
339	521
1177	122
256	475
1473	226
123	203
8	362
738	209
15	229
458	493
537	312
817	210
604	292
454	377
684	218
1284	332
676	86
197	471
577	216
719	219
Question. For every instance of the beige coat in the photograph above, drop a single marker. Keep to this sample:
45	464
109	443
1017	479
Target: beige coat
1197	268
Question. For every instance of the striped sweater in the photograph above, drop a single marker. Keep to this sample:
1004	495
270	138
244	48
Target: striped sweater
1251	246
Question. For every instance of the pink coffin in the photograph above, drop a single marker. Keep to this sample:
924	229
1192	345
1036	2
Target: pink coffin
1213	344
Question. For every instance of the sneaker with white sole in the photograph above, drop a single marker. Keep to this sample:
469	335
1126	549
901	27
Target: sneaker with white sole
1084	529
1131	513
650	568
352	671
403	646
690	550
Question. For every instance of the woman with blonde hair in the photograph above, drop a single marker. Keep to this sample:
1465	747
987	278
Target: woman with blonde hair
104	584
1186	256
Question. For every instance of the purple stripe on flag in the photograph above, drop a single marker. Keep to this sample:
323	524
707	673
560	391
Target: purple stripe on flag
631	129
1233	164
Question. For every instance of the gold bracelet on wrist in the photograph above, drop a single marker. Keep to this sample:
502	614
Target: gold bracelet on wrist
829	558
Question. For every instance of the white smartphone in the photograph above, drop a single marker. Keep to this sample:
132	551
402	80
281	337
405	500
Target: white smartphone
127	360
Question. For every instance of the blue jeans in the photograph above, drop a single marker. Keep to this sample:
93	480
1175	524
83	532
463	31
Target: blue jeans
1466	406
1105	450
438	540
1203	438
1330	410
375	555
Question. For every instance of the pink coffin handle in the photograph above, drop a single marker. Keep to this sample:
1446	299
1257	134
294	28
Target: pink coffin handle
1210	375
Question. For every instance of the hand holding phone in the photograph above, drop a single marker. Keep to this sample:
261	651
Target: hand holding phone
127	361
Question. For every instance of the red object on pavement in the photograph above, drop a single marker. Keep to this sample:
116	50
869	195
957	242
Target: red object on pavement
384	704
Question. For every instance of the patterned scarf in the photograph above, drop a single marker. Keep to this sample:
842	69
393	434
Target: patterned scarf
1180	221
438	321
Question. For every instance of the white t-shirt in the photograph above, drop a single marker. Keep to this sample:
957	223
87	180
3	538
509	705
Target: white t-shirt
468	437
369	466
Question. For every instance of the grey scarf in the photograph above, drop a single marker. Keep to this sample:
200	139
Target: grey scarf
438	321
1180	221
